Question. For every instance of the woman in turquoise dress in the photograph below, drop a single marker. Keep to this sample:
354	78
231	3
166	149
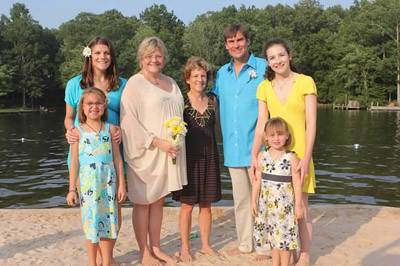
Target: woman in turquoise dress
99	70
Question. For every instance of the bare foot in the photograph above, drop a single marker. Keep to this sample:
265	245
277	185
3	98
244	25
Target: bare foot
261	257
209	251
149	260
99	261
185	256
236	252
171	261
114	262
304	260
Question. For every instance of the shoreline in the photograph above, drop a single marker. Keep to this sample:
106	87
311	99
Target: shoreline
343	235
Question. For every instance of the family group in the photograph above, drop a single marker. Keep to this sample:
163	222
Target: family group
123	143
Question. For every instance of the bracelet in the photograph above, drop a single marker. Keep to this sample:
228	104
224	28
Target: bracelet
72	190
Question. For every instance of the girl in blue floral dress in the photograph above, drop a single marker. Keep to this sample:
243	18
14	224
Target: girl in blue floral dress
97	161
276	196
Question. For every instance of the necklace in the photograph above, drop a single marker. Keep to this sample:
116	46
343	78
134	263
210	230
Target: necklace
201	119
97	135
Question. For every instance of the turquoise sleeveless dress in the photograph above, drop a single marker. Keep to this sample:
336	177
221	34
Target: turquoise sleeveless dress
97	185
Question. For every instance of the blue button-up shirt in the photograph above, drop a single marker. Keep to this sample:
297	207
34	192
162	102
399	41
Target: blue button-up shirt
239	108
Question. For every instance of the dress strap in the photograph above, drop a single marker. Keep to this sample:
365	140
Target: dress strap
106	127
78	126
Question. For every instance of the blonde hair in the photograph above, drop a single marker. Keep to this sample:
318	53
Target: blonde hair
195	62
92	90
148	46
279	125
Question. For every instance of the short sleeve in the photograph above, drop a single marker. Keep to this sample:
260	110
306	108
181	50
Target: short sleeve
308	86
261	93
72	93
122	84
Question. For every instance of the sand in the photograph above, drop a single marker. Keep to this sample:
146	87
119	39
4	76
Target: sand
343	235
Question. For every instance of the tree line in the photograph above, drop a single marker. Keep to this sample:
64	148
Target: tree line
351	53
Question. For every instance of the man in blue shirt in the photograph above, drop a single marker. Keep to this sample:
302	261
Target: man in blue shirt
235	87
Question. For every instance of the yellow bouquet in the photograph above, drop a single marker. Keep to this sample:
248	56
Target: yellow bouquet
176	129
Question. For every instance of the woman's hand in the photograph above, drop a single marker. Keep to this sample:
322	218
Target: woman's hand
121	194
303	167
116	135
72	198
254	208
253	168
72	135
166	146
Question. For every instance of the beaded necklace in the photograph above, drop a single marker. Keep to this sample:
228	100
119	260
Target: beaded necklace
201	119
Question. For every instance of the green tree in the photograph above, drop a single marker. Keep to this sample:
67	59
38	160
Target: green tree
75	34
29	57
130	52
170	29
203	37
5	80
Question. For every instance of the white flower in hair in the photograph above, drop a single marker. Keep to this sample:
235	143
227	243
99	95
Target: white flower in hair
252	74
87	51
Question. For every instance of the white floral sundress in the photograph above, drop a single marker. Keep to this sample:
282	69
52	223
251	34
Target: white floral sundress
275	223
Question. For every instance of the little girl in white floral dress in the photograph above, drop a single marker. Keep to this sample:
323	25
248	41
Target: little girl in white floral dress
276	196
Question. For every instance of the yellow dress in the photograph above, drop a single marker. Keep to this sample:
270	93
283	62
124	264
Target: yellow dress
293	111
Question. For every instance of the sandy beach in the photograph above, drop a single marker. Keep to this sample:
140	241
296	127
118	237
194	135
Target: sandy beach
343	235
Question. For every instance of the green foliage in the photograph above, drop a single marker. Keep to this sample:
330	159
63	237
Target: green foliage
170	29
30	55
5	79
351	53
75	34
203	38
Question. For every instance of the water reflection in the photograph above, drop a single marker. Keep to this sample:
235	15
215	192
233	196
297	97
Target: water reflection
33	172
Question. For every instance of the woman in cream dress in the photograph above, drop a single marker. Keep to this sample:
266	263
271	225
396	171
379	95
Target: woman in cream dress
149	99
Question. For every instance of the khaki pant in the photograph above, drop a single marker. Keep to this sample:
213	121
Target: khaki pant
241	188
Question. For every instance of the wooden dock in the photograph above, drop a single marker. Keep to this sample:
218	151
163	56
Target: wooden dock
351	105
384	108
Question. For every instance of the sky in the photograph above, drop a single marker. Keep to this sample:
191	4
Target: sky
52	13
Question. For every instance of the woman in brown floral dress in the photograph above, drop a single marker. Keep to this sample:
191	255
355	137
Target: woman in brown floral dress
204	184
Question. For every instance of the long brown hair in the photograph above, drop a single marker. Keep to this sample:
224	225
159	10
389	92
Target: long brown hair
92	90
111	73
269	73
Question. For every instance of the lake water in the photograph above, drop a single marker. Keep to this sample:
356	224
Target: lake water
33	172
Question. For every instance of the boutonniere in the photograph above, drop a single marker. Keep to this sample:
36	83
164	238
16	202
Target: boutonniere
87	51
252	74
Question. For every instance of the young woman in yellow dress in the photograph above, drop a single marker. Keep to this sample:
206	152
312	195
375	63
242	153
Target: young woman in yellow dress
292	96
